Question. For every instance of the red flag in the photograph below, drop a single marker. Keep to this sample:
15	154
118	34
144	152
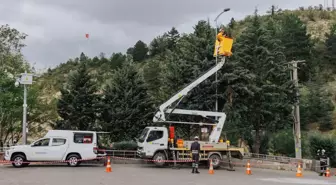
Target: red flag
87	35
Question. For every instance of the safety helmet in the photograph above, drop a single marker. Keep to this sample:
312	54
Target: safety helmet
196	137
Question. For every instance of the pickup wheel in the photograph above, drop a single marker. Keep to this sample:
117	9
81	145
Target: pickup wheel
159	159
19	161
73	160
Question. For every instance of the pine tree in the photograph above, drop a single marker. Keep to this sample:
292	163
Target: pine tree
126	107
140	51
298	44
158	46
173	36
330	54
78	101
117	59
317	107
263	95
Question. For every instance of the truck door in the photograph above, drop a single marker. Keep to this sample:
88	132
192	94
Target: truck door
58	148
155	141
40	150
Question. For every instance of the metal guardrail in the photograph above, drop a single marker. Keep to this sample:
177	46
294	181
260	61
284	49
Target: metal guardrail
274	158
122	153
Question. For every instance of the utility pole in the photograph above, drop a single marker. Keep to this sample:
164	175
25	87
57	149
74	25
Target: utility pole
297	124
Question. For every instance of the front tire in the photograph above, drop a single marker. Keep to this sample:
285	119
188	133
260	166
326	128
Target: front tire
159	159
73	160
19	161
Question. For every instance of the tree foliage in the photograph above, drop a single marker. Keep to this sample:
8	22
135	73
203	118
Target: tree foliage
126	106
77	105
12	63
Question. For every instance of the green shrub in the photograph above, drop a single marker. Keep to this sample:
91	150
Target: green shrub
323	141
125	145
282	143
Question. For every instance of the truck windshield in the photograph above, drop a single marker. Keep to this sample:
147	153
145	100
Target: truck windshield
143	135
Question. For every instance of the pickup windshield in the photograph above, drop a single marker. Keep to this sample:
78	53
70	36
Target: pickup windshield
143	135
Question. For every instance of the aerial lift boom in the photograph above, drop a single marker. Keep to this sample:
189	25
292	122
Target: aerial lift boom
165	107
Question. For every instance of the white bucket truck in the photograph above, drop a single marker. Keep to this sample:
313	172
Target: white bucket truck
155	143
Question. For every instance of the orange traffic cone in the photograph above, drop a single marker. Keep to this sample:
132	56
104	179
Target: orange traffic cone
299	171
211	171
327	173
108	165
248	169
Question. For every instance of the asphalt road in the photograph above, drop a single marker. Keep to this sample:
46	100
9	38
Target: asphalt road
129	174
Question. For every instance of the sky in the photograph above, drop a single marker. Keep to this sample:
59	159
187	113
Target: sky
56	28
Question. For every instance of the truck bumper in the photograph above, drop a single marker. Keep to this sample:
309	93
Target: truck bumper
142	155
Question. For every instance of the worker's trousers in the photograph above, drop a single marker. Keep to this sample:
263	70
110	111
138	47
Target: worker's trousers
195	158
323	166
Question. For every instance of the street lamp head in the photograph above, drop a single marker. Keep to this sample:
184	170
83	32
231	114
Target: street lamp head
225	10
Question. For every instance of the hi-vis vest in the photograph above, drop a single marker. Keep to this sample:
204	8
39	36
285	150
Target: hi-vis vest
195	147
223	45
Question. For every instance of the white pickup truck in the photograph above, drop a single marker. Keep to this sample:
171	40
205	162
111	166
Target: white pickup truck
56	145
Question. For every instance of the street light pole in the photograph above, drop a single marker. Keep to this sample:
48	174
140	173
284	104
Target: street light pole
24	79
24	120
225	10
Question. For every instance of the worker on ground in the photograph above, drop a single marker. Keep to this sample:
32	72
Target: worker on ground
195	151
323	162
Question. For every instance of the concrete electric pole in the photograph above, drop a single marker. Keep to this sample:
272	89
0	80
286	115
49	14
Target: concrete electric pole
297	124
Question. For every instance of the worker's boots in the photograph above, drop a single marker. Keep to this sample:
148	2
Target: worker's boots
193	170
197	171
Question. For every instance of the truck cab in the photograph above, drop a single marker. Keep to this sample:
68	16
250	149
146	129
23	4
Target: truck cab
152	140
56	145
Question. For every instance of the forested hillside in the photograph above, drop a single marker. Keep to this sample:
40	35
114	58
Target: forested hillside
120	93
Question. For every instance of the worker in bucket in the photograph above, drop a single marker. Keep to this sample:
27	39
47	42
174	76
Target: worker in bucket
195	151
220	37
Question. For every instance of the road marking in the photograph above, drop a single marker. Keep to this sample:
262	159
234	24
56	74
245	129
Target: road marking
298	181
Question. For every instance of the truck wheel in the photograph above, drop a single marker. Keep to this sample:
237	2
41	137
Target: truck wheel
159	159
216	160
73	160
19	161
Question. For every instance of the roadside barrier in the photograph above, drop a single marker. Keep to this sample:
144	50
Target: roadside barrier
144	160
130	155
248	165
